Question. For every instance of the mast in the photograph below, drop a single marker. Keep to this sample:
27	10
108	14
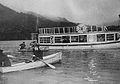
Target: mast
37	24
35	34
37	29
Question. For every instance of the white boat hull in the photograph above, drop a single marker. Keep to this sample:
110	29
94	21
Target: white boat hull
107	45
24	66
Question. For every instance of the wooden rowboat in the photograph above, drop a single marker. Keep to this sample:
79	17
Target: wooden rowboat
53	58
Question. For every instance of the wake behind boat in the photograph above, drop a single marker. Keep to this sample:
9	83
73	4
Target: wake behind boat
53	58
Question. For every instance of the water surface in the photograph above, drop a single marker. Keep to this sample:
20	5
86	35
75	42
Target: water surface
76	67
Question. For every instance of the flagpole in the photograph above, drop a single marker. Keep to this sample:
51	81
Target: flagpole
37	24
36	29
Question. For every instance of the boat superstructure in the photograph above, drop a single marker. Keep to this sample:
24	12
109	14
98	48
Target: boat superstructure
78	37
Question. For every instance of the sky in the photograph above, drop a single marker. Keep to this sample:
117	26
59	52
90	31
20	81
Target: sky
91	12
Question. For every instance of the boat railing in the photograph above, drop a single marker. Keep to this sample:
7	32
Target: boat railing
72	30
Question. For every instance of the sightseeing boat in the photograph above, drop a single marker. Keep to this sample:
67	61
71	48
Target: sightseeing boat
78	37
53	58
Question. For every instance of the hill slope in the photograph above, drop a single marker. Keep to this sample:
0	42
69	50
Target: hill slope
19	26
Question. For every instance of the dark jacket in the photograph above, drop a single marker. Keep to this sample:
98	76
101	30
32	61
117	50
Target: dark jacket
4	60
38	53
22	46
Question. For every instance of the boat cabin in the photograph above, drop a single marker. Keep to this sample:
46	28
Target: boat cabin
76	34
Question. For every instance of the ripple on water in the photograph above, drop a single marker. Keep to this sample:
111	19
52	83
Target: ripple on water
77	67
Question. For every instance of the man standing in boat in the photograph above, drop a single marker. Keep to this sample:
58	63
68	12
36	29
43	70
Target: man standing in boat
22	46
4	60
37	53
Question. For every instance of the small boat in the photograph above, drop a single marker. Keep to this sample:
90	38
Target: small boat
79	37
53	58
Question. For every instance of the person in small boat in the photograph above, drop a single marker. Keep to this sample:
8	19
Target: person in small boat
32	44
4	60
37	53
22	45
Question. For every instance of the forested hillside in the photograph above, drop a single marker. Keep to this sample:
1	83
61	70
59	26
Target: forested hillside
19	26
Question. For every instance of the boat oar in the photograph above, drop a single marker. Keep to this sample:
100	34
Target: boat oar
10	56
51	66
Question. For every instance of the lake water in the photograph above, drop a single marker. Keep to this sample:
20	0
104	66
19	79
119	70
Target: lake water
76	67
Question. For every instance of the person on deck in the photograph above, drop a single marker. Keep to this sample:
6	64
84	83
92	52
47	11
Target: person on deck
22	46
37	53
4	60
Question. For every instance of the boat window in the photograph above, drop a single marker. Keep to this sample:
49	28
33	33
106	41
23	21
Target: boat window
66	30
88	29
40	31
82	38
100	37
48	31
116	36
94	28
47	39
58	39
34	36
44	39
61	30
72	29
45	31
92	38
41	40
110	37
99	29
66	39
52	30
56	30
75	29
74	39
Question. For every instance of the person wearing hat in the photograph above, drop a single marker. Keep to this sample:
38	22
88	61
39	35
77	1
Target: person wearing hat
22	46
37	53
4	60
33	44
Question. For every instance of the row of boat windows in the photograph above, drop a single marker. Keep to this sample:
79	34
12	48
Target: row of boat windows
79	38
57	30
75	29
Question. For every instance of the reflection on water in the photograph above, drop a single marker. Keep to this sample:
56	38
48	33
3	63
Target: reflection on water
76	67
